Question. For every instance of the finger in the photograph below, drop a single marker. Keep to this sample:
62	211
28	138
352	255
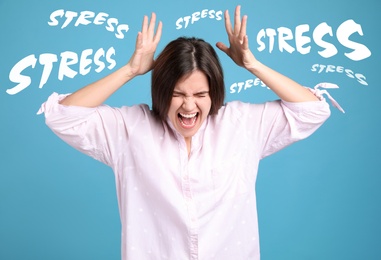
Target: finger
237	19
242	31
245	42
222	47
228	25
145	23
144	26
157	37
151	27
139	40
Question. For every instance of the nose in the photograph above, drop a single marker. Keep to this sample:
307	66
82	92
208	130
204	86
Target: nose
189	103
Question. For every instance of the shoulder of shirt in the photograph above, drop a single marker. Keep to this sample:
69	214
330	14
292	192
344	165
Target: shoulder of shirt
232	109
237	108
241	105
235	105
144	108
141	112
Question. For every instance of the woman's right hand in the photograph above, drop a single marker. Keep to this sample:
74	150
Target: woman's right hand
147	40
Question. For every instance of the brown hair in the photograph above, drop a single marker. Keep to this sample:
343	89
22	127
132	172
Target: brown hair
179	58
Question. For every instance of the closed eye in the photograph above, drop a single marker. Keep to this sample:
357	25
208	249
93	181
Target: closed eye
177	94
197	95
202	94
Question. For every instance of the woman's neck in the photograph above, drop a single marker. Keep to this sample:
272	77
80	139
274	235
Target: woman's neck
188	142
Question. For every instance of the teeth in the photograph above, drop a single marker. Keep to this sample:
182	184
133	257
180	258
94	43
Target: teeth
188	115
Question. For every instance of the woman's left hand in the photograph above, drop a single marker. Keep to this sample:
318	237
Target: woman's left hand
239	50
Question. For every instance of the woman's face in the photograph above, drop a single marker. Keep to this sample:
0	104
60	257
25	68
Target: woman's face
190	104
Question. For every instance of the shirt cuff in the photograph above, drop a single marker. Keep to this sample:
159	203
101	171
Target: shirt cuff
53	105
319	93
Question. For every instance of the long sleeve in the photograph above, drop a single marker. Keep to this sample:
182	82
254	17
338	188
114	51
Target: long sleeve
271	126
297	121
98	132
290	123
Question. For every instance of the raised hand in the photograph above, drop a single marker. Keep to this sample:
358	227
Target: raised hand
239	50
141	62
146	42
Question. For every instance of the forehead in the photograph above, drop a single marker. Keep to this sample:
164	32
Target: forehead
194	82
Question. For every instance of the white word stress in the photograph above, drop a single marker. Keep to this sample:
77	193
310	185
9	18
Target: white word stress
321	35
322	68
87	17
68	59
239	86
183	22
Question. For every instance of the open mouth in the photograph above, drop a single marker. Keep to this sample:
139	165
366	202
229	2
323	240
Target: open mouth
188	120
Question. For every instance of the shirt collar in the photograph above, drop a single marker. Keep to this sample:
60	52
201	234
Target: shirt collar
197	139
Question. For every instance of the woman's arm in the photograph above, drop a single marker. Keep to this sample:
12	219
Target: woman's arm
140	63
240	53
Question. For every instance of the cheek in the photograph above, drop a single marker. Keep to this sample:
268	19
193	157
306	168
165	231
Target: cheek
209	105
173	107
206	107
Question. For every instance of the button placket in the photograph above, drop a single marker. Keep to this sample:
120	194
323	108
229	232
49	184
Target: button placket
190	205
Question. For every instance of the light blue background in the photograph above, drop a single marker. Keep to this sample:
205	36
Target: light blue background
318	199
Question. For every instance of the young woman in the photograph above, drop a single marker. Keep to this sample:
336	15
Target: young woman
185	171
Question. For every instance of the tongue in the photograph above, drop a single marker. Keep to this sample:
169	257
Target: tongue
187	121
